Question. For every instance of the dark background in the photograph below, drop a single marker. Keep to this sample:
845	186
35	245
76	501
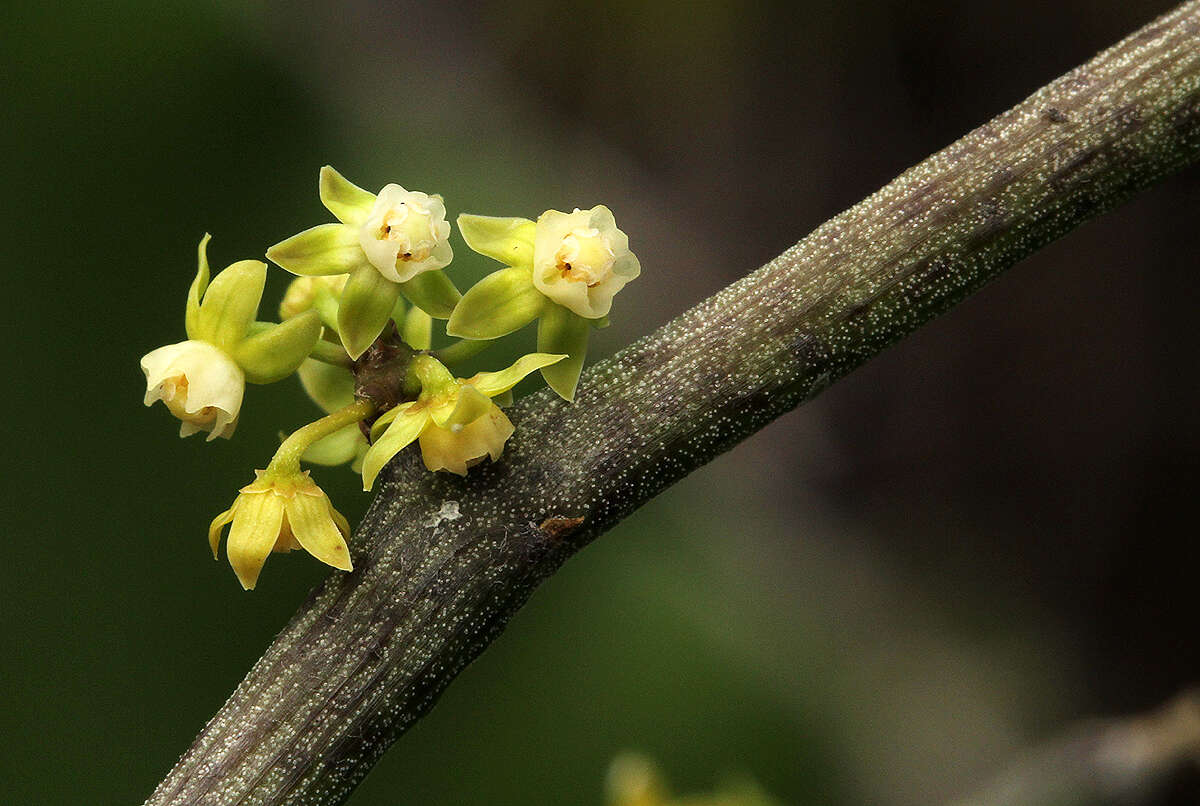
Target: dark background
982	536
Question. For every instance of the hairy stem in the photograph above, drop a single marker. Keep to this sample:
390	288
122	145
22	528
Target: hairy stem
370	651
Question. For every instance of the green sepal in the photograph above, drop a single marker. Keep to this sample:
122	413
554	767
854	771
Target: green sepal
599	324
336	449
277	352
191	319
417	331
325	303
320	250
404	427
349	203
496	383
330	387
400	312
508	240
230	304
500	303
365	308
433	292
561	331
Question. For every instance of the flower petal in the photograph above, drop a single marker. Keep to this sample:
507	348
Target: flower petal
562	331
403	429
276	352
256	527
198	287
417	331
432	292
495	383
365	309
320	250
214	529
497	305
231	303
457	450
469	405
349	203
508	240
311	519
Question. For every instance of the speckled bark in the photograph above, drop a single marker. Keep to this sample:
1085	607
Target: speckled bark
370	652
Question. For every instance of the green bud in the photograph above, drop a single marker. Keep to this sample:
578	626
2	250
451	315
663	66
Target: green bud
338	448
349	203
277	351
432	292
497	305
418	330
365	308
320	250
330	387
508	240
562	331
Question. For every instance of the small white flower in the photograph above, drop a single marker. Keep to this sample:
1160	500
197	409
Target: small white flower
406	233
581	260
199	383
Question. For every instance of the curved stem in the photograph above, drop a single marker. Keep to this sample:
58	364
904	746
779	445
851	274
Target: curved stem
369	652
287	458
329	353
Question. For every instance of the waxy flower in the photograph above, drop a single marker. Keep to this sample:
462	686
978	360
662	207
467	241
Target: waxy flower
280	511
389	244
406	233
564	270
581	260
199	383
202	380
454	420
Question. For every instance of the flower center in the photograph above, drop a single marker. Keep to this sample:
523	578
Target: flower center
175	396
410	225
584	256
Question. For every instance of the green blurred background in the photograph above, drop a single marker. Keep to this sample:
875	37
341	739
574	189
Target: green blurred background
883	598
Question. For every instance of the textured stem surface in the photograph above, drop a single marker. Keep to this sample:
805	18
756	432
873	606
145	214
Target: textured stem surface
441	563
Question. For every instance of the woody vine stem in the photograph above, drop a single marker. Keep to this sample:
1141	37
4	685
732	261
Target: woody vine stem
370	651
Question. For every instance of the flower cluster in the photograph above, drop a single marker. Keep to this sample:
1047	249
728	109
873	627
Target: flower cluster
356	327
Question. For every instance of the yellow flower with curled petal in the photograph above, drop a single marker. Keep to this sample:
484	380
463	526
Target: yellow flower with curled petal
280	511
387	244
202	380
454	420
581	260
199	383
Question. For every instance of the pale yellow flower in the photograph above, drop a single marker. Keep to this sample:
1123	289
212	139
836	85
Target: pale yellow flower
581	260
454	420
280	511
199	383
406	233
